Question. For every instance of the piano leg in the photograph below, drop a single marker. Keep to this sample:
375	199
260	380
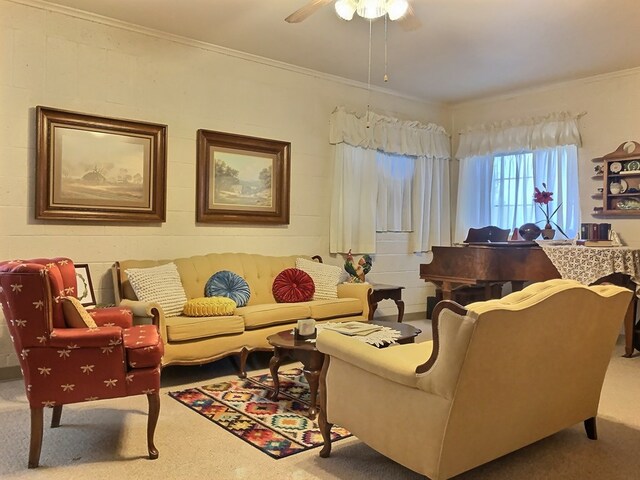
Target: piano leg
446	290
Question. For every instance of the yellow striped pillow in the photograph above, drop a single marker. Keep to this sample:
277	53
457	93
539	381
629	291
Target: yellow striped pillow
209	307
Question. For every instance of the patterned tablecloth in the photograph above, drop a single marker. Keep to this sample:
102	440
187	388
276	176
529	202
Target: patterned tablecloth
588	264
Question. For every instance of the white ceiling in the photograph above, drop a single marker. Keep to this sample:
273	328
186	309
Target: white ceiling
465	49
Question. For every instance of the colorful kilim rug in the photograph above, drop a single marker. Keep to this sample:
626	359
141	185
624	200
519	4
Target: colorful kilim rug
278	428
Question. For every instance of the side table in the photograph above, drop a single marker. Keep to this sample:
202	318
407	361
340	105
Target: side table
380	291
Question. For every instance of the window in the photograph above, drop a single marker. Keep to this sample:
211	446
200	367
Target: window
512	189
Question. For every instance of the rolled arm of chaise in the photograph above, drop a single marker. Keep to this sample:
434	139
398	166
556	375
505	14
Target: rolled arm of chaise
356	290
145	310
396	363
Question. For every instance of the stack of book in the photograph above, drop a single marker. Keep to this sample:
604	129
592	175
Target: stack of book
595	234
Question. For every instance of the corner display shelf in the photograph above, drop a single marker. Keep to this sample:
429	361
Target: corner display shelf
621	181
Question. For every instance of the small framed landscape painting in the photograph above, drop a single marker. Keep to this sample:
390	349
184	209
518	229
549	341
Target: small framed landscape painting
85	287
99	168
242	179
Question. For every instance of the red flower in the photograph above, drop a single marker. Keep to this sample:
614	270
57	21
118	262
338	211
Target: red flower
542	196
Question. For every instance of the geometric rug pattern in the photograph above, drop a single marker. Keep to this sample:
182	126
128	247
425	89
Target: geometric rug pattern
240	406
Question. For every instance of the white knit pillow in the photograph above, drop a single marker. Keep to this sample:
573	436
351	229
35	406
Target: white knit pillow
325	277
159	284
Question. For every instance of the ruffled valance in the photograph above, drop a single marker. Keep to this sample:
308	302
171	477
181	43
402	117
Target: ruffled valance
554	130
389	134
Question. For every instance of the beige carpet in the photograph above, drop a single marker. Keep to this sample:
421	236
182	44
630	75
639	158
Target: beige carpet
106	440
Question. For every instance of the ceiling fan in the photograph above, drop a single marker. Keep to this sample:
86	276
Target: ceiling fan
396	10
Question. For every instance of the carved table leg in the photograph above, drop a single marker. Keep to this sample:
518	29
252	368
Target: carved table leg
313	377
274	365
400	305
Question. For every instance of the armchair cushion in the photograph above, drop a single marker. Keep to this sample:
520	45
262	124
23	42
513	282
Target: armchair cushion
396	363
159	284
75	315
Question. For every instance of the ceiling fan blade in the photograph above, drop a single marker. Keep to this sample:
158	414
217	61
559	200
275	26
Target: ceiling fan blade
306	11
410	22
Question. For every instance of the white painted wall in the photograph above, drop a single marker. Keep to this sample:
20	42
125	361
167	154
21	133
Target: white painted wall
53	58
612	106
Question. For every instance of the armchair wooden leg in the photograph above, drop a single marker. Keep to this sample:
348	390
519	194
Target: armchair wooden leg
55	417
152	421
35	446
591	428
323	424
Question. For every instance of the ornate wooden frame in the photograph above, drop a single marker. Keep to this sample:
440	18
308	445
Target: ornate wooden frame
118	197
279	152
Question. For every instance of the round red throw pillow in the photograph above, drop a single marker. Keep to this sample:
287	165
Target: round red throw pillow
293	285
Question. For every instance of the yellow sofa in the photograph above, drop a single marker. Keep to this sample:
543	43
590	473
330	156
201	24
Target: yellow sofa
497	376
197	340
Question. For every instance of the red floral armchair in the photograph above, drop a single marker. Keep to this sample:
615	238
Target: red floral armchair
64	365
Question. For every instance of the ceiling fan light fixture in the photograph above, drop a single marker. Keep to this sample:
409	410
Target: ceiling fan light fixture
371	9
397	9
345	9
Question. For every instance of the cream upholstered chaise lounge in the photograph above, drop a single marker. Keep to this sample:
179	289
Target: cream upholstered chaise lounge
497	376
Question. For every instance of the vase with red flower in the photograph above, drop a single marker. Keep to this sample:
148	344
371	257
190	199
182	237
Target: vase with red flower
544	197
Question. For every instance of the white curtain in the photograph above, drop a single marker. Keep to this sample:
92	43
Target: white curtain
353	203
501	164
390	171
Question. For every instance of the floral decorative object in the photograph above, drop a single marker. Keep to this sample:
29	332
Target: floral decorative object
544	197
358	270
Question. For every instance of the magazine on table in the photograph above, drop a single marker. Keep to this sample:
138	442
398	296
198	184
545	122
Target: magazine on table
353	328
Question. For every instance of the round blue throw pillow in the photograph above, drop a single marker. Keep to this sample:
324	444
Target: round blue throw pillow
228	284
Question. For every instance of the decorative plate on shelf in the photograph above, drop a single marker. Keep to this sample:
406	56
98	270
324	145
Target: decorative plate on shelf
633	165
615	167
623	186
628	204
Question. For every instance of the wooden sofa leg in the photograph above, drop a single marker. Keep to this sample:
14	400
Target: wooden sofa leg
55	418
323	424
591	428
244	354
152	421
35	446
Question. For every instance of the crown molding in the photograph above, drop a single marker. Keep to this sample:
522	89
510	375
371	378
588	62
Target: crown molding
112	22
547	87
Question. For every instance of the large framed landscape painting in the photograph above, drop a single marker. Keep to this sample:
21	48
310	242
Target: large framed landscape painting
242	179
99	168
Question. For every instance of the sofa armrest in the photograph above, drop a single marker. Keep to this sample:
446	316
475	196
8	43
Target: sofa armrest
145	310
359	291
396	363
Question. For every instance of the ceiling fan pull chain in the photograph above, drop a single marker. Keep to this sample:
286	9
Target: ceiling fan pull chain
386	57
369	74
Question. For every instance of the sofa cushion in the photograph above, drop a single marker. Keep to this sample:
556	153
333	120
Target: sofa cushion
192	328
334	308
293	285
258	316
159	284
325	277
228	284
209	307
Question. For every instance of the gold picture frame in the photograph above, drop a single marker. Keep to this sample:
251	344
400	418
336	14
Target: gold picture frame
93	168
242	179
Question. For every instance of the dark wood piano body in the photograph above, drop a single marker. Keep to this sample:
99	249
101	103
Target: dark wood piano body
485	264
497	263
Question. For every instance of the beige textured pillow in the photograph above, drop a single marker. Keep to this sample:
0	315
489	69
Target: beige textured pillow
159	284
325	277
75	315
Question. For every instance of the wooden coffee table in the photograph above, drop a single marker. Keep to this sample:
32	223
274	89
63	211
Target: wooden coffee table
285	345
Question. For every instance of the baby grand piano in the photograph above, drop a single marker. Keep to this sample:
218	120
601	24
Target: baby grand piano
487	264
493	263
